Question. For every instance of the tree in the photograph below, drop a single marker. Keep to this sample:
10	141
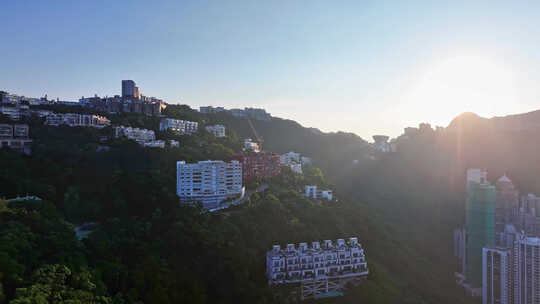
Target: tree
58	284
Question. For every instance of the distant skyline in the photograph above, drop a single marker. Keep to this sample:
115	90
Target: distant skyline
366	67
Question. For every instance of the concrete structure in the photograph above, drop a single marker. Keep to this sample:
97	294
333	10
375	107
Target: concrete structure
131	101
289	157
155	144
321	269
210	182
306	161
506	204
312	192
254	113
141	136
460	250
478	176
251	146
211	110
41	113
15	137
480	223
129	89
257	166
296	168
381	143
497	283
216	130
77	120
181	127
526	254
15	112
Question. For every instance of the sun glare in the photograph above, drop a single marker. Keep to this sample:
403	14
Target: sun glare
462	84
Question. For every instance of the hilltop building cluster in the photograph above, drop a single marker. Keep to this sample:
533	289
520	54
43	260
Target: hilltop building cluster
320	270
254	113
131	101
499	247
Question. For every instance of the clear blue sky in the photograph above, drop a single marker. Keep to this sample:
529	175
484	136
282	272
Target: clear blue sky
360	66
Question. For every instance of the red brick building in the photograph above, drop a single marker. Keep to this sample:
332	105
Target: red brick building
256	166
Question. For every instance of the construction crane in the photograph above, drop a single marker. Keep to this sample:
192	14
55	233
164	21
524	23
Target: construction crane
259	139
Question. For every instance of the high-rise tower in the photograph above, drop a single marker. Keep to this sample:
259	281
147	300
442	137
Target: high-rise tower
480	223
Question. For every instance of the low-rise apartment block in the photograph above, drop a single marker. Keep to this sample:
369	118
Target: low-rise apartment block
320	269
210	182
216	130
181	127
15	137
14	112
211	110
77	120
312	191
295	161
141	136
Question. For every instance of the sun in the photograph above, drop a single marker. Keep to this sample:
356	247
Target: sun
465	83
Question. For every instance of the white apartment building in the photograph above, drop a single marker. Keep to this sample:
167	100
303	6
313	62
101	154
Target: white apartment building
327	263
497	276
141	136
216	130
210	182
181	127
14	112
250	145
312	192
76	120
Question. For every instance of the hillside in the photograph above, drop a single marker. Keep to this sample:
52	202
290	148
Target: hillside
148	249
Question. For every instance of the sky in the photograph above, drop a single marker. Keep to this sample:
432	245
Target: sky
368	67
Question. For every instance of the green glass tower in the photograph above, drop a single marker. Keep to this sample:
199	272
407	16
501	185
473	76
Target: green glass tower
480	226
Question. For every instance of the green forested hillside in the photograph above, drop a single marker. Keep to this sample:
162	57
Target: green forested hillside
149	249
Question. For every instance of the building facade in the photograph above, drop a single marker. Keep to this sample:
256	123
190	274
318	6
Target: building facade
257	166
141	136
526	270
16	137
210	182
216	130
181	127
480	224
252	146
312	191
320	269
77	120
497	283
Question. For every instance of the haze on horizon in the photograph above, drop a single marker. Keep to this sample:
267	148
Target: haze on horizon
369	68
